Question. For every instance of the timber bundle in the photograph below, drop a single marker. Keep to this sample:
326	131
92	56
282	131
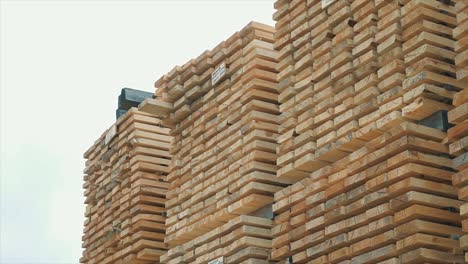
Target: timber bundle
338	136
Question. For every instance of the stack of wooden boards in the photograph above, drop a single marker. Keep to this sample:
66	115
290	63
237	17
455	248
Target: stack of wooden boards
242	240
125	188
339	116
458	139
348	69
391	201
458	135
361	86
223	110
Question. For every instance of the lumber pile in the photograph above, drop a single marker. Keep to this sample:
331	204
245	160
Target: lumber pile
391	201
349	69
242	240
458	139
364	88
339	136
125	189
223	110
460	34
458	134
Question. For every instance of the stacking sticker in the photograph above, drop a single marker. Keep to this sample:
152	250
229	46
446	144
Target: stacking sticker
218	73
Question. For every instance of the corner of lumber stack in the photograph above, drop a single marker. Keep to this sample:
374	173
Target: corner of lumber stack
125	189
222	108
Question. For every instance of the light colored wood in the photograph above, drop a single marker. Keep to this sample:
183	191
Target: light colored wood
155	107
125	191
460	98
458	114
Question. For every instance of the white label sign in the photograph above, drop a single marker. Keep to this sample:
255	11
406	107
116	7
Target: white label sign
218	73
326	3
219	260
110	134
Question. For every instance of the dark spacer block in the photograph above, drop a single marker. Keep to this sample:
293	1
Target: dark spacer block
119	112
438	120
132	98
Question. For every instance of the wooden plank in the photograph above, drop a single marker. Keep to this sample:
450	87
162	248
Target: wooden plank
458	114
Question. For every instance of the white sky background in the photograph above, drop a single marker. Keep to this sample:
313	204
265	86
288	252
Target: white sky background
63	64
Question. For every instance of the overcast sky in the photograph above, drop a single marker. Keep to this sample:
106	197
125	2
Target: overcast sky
63	64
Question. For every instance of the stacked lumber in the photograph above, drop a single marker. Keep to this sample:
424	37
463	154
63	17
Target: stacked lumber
460	34
350	68
458	139
391	201
363	86
125	189
458	134
319	115
222	108
242	240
